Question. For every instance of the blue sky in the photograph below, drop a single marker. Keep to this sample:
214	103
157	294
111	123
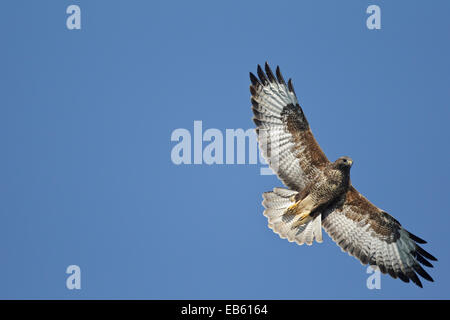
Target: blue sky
86	118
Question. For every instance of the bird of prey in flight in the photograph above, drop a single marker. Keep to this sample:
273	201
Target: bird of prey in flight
320	193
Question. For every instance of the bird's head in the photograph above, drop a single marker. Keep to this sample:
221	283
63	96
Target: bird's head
344	162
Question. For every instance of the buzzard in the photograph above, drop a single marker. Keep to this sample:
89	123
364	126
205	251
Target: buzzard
320	193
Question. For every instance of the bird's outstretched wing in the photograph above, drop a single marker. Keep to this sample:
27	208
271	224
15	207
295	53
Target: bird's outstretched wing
376	238
283	132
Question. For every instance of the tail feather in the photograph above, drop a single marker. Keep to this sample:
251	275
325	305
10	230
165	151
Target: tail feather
317	228
283	224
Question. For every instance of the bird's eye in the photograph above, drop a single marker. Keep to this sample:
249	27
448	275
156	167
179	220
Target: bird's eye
345	160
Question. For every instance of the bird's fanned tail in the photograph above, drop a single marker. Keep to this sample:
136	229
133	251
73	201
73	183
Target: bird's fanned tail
285	224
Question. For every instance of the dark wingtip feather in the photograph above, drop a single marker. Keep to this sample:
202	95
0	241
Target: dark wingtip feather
392	273
261	75
256	121
403	277
269	73
417	281
425	254
290	86
254	80
253	90
422	272
423	261
414	278
280	76
416	238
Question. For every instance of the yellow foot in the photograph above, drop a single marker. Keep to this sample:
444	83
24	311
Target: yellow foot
291	209
302	219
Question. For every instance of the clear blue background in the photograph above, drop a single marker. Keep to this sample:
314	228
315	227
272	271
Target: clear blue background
86	116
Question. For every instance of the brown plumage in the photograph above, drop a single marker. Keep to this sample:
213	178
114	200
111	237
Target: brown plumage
320	193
